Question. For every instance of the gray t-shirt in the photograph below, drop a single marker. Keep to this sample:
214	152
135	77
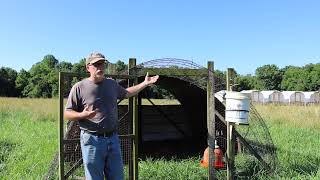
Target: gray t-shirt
102	96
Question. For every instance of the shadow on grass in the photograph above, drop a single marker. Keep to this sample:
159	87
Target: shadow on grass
178	149
4	115
303	164
5	150
291	165
262	148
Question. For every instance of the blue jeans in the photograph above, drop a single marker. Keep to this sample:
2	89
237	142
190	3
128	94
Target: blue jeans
101	157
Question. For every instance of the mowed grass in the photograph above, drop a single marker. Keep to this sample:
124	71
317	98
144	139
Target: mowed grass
29	140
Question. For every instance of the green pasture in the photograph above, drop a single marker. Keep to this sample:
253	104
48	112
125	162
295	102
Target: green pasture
29	140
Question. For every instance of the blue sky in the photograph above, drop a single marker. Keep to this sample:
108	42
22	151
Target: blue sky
240	34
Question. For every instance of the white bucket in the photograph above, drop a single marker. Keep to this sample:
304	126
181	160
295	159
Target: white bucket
237	107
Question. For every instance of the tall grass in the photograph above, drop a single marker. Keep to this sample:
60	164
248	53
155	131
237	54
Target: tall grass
296	134
28	142
291	115
28	137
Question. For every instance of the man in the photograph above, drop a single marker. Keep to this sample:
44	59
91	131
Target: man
93	102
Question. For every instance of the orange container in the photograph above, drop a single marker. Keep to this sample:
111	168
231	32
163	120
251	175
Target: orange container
205	159
218	158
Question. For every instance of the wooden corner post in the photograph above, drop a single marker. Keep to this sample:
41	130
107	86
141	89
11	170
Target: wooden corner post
60	128
211	118
230	127
133	107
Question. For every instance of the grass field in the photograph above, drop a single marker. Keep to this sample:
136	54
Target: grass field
28	142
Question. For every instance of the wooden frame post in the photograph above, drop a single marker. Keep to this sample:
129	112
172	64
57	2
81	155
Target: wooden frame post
211	118
60	129
230	127
133	106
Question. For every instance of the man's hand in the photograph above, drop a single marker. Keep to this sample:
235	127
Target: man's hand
150	80
132	91
88	114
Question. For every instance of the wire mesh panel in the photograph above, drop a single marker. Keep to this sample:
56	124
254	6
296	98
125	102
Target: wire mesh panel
179	68
251	142
126	149
71	148
258	136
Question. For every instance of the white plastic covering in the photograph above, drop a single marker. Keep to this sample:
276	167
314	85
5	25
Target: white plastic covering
272	96
293	97
255	95
220	95
311	97
286	97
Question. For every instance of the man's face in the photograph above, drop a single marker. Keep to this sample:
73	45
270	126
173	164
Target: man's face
96	70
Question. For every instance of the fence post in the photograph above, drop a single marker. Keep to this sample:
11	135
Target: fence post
133	102
211	118
230	127
60	128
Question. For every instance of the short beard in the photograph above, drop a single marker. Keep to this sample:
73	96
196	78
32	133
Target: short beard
98	76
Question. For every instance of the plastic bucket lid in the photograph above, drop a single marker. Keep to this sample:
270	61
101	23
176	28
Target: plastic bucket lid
236	95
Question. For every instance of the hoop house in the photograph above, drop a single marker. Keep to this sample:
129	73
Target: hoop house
272	96
290	97
311	97
255	95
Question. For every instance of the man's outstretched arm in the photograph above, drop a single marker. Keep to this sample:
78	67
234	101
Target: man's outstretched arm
134	90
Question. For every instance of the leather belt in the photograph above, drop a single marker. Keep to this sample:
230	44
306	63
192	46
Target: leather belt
104	134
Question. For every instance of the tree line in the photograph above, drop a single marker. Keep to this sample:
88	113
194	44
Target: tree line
289	78
42	79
